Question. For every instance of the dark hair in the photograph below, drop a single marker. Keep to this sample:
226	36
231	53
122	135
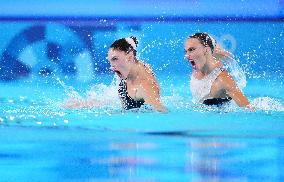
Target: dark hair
205	40
123	45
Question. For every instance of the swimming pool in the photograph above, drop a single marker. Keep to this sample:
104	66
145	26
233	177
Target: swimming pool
41	141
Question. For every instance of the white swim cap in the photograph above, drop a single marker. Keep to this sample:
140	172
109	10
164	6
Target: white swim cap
214	42
131	42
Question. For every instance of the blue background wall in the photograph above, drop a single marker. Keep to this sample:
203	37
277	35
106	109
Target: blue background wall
71	38
143	8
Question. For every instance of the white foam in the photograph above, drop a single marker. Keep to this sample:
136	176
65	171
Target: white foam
267	104
107	95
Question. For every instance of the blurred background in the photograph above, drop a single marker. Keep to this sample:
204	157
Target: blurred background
71	38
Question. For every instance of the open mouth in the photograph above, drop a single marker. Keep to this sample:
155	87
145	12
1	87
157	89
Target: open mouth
118	73
193	64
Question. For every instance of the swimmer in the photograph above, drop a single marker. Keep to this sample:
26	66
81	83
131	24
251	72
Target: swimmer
138	84
210	83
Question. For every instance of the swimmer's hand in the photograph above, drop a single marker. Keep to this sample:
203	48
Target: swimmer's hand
162	109
222	54
73	103
251	108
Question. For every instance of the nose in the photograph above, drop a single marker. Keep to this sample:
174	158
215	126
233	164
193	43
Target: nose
112	68
187	56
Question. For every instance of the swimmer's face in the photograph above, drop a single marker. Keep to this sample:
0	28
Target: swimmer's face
195	53
119	62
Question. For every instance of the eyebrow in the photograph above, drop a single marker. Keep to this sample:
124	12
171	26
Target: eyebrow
114	57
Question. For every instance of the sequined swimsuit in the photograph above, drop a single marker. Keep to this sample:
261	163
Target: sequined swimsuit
127	101
200	89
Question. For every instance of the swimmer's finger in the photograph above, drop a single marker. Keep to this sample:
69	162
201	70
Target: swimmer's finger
222	52
225	55
72	103
229	55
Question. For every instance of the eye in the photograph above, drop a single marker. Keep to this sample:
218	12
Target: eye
114	59
189	50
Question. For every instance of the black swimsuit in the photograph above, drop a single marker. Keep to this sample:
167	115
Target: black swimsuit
216	101
127	101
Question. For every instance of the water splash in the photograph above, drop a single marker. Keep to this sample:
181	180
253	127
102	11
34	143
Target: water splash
267	104
69	91
106	95
98	96
236	71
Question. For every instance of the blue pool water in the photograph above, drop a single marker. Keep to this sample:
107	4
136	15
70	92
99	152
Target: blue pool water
42	141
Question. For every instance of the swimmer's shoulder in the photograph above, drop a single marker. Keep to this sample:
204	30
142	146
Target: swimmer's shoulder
224	80
146	71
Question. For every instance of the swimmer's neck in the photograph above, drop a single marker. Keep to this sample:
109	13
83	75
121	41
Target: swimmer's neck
211	64
134	71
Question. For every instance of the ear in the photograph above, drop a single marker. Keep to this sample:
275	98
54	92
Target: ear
130	56
207	50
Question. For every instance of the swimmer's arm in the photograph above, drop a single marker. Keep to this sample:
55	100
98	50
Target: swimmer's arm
151	92
233	90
